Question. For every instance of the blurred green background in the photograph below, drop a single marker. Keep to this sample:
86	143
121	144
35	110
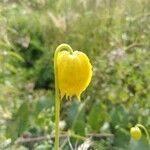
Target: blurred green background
115	34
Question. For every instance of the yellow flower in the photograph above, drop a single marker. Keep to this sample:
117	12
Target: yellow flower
74	73
135	133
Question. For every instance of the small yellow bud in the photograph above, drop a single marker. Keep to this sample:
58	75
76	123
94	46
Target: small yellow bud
74	73
135	133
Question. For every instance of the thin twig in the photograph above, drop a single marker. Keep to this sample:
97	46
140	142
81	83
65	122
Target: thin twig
41	138
100	136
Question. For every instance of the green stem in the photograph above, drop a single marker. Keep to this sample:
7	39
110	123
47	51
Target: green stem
57	94
77	136
145	130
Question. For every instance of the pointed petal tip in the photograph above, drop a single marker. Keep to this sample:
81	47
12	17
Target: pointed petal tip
79	97
62	94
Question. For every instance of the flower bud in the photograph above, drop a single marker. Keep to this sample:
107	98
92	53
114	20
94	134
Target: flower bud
135	133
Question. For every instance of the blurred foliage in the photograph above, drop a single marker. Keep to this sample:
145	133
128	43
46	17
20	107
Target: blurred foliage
115	34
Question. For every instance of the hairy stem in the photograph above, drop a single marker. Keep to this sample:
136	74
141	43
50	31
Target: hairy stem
57	94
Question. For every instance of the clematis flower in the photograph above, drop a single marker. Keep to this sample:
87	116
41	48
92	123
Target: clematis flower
74	73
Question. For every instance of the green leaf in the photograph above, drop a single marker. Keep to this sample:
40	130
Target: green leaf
19	123
119	116
76	117
121	137
10	67
16	55
97	116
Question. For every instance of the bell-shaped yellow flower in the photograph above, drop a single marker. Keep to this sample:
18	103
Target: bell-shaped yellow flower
135	133
74	73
